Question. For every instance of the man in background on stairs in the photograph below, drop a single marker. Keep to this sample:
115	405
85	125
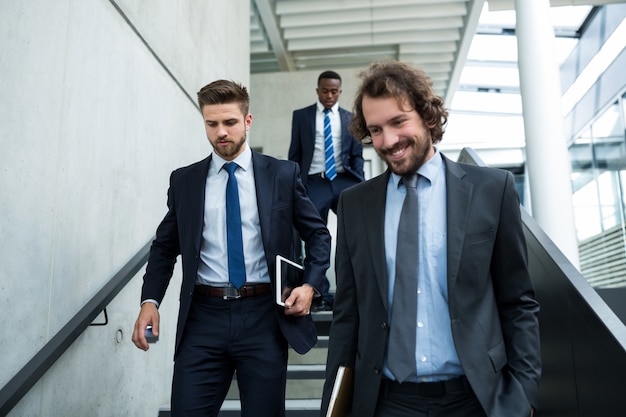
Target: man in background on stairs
331	159
228	216
435	311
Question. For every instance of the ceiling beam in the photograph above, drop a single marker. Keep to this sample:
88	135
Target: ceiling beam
474	8
285	7
500	5
268	18
368	14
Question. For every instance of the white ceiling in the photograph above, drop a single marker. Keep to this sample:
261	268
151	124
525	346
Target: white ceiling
434	35
292	35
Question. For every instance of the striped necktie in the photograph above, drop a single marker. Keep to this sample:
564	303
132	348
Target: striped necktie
329	151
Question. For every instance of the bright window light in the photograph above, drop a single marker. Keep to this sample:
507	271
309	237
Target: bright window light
600	62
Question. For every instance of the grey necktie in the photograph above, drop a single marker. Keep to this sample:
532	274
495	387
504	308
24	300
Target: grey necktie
401	349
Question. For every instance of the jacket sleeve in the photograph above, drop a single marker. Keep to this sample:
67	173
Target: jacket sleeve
163	252
515	295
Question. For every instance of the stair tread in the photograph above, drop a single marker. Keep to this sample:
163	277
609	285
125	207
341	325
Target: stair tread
312	404
322	316
306	367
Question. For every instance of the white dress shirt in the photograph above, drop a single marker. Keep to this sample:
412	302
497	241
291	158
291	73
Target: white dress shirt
213	267
318	164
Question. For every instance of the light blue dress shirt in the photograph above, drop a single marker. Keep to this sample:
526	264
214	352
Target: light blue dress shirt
435	354
213	267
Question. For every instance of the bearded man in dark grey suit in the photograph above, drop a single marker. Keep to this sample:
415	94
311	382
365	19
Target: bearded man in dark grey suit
474	347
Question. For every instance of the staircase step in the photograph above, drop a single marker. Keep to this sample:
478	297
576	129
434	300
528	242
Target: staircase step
315	356
322	320
294	408
303	382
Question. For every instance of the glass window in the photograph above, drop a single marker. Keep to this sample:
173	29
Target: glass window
585	200
598	157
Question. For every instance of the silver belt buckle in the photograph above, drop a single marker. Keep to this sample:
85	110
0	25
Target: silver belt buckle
323	174
231	293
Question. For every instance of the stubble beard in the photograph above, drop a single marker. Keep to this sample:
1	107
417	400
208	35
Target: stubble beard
232	149
418	154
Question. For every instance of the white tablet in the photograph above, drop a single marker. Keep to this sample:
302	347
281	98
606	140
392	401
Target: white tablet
289	275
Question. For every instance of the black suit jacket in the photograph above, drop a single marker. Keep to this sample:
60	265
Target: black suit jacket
491	299
303	142
283	205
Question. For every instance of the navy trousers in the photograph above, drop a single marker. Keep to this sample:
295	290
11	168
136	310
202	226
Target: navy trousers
325	195
223	337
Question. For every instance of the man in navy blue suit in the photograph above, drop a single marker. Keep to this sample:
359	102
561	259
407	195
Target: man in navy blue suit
224	326
307	148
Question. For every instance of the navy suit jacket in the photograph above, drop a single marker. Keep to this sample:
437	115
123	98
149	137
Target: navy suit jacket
491	299
283	206
303	142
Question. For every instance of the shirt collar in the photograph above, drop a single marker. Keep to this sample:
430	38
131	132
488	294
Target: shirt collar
430	170
333	110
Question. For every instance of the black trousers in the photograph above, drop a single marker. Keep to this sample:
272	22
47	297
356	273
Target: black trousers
401	400
222	337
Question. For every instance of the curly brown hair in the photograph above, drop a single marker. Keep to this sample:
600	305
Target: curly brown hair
399	80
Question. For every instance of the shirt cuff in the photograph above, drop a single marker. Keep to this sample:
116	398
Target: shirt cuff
150	300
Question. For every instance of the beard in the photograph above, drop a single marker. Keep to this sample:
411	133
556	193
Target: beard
419	151
232	149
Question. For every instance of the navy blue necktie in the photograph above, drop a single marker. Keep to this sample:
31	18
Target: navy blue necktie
401	349
329	151
236	264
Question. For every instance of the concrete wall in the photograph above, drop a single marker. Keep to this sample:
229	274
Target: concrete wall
92	121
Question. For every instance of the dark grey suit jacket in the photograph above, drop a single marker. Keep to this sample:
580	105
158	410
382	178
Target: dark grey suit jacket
492	303
303	142
283	206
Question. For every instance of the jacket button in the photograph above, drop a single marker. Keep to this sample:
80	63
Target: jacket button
384	325
377	370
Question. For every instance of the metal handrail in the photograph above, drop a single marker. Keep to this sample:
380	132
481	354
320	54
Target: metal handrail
28	376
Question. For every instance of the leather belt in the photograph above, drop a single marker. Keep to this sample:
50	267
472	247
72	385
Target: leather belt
323	174
426	389
232	293
318	175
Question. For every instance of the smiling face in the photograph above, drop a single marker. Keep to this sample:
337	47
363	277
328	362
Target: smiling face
226	128
398	133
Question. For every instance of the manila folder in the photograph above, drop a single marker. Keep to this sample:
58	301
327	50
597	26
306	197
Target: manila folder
341	397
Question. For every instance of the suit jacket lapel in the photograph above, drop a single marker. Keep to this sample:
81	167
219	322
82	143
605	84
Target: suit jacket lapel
196	194
310	121
264	179
458	197
374	200
345	137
